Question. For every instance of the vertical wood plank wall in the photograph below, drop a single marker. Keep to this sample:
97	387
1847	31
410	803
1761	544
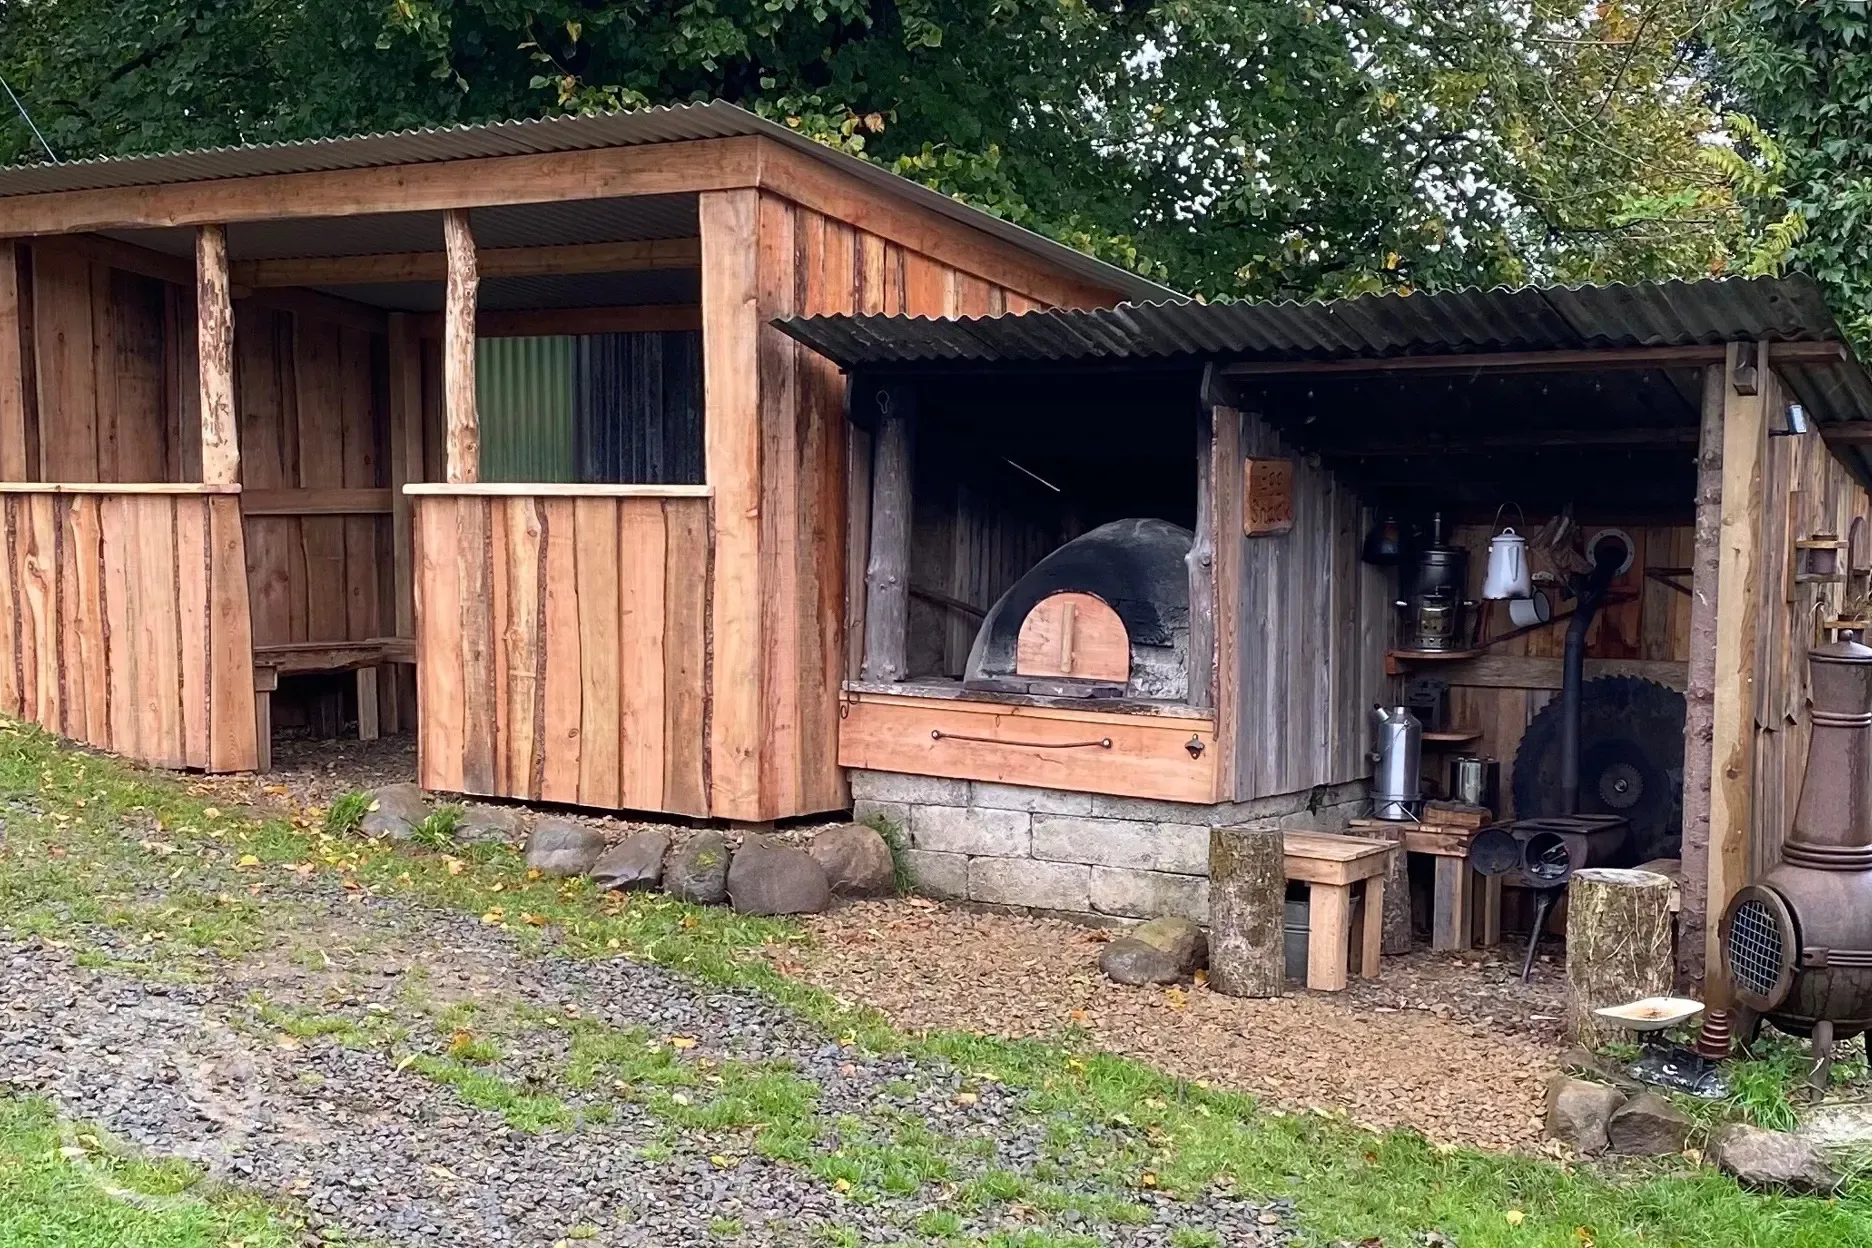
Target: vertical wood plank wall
1806	491
562	648
1654	625
123	624
1312	632
312	402
776	458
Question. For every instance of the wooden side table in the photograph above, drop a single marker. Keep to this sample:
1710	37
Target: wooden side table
1330	865
1466	906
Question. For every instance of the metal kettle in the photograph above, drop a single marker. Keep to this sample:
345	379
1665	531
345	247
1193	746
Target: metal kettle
1397	759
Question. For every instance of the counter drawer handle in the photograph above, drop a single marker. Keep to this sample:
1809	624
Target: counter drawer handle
1103	743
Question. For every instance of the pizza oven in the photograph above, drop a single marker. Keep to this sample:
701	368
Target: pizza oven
1104	616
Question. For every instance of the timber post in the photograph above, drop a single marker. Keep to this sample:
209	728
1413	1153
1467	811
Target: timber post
1738	605
214	337
1700	683
14	464
1247	911
887	572
458	349
1202	571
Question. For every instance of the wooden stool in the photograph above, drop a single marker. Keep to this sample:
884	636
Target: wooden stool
1330	866
1458	920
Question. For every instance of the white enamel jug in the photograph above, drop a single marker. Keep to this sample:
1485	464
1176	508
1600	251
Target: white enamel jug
1508	575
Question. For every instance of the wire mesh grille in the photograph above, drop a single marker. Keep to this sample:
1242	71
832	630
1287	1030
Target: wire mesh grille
1756	953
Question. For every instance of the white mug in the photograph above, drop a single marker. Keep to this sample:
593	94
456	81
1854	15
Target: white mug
1527	612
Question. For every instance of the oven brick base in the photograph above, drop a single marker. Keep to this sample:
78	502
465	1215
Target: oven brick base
1106	859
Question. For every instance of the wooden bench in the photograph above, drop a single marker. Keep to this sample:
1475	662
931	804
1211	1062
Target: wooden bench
1466	907
296	658
1330	865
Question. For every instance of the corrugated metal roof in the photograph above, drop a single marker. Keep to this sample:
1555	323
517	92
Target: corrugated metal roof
676	123
1674	313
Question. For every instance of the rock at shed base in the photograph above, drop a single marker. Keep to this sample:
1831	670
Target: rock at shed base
1161	951
698	871
764	878
498	824
395	810
561	847
1760	1158
1129	960
1647	1126
1579	1112
857	861
634	862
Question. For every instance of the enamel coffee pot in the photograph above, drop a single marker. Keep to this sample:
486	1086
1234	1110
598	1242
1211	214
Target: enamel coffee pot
1508	574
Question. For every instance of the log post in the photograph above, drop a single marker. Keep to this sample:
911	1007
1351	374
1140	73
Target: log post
458	349
887	573
1700	686
1202	578
1738	610
1247	906
1618	946
214	342
13	463
1395	922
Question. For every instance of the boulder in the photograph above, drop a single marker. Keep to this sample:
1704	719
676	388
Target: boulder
698	870
764	878
634	862
857	860
561	847
1179	938
1647	1126
1129	960
1761	1158
498	824
1579	1111
395	811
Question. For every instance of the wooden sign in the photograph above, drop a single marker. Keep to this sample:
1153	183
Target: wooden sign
1268	502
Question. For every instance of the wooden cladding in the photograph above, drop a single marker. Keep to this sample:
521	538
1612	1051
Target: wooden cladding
1169	757
123	624
561	648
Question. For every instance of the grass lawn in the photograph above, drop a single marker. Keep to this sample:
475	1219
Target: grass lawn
92	843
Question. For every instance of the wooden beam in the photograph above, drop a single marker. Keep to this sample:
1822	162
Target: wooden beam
731	330
131	258
1525	439
432	266
13	463
1849	433
1738	605
406	462
887	571
316	502
1526	671
642	318
458	349
554	177
214	337
1700	687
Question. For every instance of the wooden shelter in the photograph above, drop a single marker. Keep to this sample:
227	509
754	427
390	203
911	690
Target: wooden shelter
1278	435
241	450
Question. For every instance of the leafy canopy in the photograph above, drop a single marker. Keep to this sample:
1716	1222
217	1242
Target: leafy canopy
1229	147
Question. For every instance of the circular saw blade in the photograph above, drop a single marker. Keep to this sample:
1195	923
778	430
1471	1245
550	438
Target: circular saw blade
1631	761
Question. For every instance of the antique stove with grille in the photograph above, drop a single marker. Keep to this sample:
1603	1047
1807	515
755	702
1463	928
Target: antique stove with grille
1798	942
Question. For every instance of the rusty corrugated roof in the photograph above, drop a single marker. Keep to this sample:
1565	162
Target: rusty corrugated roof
713	120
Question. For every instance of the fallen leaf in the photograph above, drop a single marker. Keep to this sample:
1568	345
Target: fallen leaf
496	915
841	1185
455	865
966	1098
248	860
212	812
682	1042
719	1161
1515	1217
679	1098
1147	1179
1077	1016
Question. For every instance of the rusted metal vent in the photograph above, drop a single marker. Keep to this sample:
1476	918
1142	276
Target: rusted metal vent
1758	944
1104	616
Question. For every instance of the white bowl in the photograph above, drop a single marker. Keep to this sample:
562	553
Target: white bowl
1652	1013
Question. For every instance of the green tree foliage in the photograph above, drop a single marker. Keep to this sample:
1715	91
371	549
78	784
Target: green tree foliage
1801	71
1230	147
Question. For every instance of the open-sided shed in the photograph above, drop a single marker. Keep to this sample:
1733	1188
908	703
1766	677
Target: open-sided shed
1279	435
492	417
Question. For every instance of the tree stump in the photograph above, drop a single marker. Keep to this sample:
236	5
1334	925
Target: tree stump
1618	946
1397	898
1247	905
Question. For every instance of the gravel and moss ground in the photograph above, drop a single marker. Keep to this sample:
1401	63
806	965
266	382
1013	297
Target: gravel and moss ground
400	1045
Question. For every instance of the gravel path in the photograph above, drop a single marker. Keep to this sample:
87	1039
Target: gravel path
1457	1049
365	1143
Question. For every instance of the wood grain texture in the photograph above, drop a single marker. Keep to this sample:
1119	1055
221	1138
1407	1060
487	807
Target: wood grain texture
214	345
579	677
458	349
116	632
1074	635
1042	747
14	465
